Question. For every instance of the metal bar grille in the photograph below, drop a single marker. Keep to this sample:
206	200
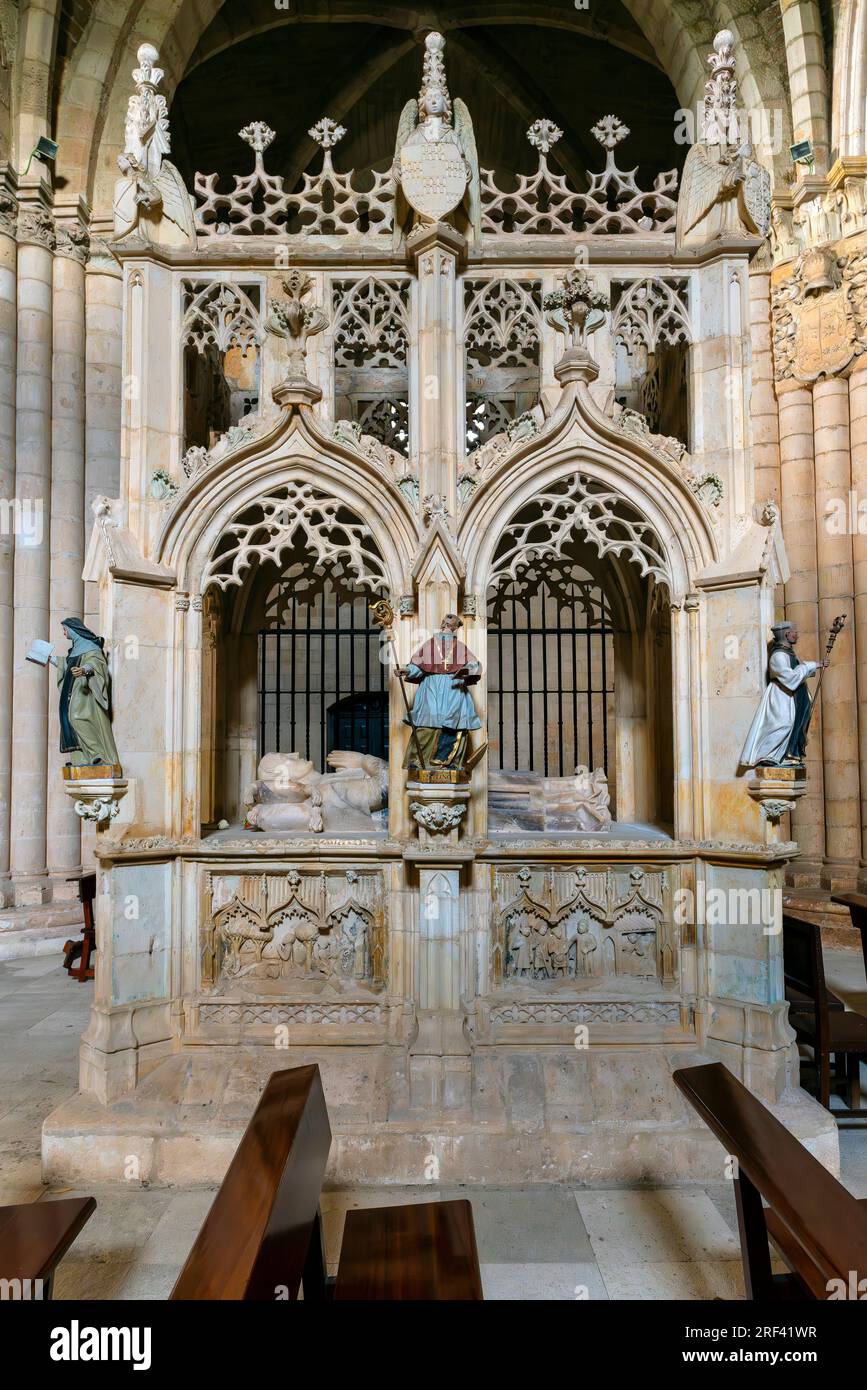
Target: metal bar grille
550	678
321	682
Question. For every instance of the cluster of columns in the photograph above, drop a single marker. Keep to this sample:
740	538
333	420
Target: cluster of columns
810	456
823	467
60	394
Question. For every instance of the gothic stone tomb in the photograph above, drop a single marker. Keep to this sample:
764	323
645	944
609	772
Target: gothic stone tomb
345	397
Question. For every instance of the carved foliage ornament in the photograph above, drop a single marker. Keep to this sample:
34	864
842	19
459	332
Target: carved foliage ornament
438	817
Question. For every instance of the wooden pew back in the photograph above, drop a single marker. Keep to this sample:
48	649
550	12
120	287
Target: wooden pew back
262	1236
825	1227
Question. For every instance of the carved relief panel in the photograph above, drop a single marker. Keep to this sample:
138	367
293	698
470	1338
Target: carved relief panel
276	931
579	923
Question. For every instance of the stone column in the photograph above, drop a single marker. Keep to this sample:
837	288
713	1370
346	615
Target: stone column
839	701
32	546
438	253
798	486
67	523
8	354
103	387
858	444
763	412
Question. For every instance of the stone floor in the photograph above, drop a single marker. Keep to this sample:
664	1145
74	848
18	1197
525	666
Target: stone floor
536	1244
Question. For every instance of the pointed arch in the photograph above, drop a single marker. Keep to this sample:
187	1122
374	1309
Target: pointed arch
267	499
588	475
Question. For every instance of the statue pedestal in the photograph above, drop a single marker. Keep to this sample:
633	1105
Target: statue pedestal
96	791
296	390
438	801
776	789
576	364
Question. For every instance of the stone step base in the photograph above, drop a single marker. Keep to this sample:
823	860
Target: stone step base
544	1119
38	931
815	905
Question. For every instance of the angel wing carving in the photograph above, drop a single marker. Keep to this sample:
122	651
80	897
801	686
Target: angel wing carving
700	186
176	200
405	127
467	142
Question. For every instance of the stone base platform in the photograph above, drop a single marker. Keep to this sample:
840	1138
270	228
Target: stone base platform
548	1115
38	931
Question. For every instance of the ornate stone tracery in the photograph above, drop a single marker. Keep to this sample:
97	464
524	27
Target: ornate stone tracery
268	526
579	503
370	337
220	314
502	345
650	313
543	202
328	203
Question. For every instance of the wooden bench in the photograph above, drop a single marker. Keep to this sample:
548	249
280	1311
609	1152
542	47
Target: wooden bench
818	1227
830	1031
857	905
34	1237
262	1238
82	950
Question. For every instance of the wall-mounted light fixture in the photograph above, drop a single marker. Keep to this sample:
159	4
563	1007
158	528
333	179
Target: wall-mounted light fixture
44	149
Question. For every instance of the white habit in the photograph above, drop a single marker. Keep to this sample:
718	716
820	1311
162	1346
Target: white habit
772	727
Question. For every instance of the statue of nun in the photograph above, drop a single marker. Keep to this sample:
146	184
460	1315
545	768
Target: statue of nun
85	699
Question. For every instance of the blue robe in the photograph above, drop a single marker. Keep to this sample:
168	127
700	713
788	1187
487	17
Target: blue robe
442	702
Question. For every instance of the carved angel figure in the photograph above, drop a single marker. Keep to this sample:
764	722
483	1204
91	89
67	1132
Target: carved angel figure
723	188
152	185
436	165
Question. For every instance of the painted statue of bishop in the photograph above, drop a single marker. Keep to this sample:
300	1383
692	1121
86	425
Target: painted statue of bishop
443	713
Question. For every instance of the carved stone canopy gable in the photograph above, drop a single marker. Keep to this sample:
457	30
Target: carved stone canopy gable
267	527
309	927
581	923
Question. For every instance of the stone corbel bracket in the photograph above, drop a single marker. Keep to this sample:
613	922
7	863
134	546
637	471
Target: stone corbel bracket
438	809
97	799
776	790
